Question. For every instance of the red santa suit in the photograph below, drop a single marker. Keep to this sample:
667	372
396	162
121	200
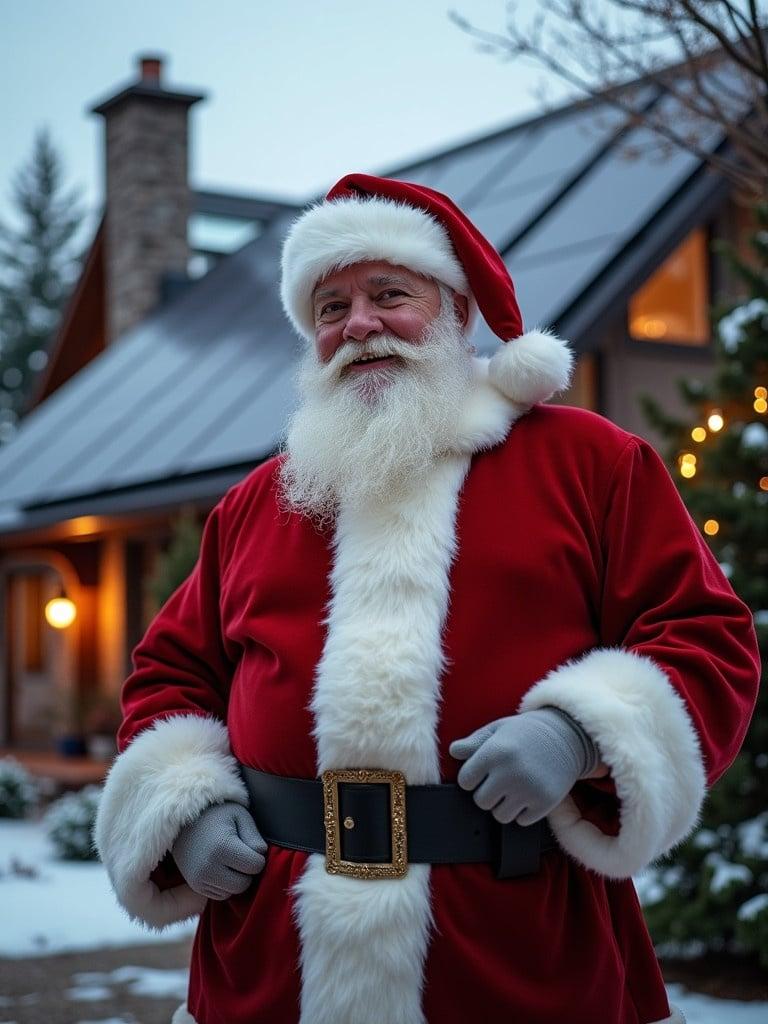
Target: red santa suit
547	559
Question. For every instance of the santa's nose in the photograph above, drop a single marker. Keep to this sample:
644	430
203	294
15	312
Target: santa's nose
363	322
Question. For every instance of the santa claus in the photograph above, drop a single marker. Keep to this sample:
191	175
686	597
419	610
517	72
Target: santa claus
448	671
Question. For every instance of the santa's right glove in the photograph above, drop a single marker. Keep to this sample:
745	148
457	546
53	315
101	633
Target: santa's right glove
220	851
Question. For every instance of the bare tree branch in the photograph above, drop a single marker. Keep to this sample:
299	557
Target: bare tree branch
719	80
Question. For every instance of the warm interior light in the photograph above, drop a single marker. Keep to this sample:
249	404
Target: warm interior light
715	421
60	612
760	405
672	304
698	434
711	527
648	327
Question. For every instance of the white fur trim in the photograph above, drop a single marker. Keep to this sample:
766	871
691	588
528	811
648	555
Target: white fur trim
532	368
163	780
183	1016
644	733
486	415
340	232
375	703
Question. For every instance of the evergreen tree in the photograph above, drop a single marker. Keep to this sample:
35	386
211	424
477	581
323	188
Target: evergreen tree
711	894
178	561
37	272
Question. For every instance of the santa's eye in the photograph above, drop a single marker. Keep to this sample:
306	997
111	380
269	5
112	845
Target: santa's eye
330	308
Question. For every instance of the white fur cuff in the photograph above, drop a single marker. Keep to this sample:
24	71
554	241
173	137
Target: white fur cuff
629	707
167	776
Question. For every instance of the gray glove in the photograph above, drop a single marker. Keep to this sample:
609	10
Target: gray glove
521	767
220	851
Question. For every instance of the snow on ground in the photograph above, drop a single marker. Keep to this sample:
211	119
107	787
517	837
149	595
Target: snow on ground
68	906
700	1009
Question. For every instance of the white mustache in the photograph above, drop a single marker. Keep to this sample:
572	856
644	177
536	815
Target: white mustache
378	348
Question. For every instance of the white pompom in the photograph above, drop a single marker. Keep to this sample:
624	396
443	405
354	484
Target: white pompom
532	368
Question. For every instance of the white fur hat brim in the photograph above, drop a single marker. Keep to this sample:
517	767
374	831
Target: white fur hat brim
337	233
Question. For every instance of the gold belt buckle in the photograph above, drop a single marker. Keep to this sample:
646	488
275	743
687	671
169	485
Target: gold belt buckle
334	865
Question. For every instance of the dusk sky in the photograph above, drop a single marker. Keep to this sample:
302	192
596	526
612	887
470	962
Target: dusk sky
299	92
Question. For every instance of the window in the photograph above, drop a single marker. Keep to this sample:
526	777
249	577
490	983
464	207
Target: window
673	304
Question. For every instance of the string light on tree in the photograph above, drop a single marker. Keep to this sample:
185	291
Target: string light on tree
699	434
715	421
711	527
687	463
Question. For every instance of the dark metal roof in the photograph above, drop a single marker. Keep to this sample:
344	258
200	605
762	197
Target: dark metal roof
200	391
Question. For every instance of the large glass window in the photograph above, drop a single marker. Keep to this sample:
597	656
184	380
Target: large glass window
673	304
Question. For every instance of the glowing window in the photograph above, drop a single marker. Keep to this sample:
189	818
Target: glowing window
672	305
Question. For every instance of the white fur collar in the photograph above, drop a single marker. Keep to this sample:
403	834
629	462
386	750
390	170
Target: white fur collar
487	414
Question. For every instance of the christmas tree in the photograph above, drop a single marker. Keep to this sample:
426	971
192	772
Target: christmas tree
711	894
37	272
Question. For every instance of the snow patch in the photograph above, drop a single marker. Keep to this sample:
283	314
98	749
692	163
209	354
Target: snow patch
752	837
152	982
749	910
706	839
67	906
730	328
88	993
725	874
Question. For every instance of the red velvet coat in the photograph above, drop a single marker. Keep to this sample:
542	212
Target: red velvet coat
551	563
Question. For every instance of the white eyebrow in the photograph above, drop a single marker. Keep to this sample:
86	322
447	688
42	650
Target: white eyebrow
380	280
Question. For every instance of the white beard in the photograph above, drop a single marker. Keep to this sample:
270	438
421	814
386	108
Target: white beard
357	438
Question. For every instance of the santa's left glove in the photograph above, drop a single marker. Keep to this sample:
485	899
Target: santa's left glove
522	767
220	851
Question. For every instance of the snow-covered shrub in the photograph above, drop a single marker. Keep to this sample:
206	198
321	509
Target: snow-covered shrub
19	793
69	823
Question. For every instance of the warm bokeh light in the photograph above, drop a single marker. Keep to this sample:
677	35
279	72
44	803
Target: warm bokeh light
764	483
760	405
688	457
60	612
698	433
761	392
715	421
687	469
711	527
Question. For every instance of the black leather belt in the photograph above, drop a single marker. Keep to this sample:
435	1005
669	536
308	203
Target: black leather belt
369	824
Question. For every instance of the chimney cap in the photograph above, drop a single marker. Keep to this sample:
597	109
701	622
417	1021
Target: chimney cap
150	66
148	85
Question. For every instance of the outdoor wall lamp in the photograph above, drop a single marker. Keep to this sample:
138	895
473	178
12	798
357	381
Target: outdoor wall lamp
60	611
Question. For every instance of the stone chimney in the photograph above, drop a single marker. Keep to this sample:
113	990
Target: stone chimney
148	198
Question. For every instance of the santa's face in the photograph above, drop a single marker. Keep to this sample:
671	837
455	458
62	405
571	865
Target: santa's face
366	430
361	302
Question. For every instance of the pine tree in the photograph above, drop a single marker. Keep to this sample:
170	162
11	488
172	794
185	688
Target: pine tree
711	894
37	272
178	561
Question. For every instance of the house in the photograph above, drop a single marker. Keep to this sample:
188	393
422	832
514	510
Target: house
171	374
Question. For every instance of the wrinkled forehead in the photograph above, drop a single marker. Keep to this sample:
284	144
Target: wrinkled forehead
379	274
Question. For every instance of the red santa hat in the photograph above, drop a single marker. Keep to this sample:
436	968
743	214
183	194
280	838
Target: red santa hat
364	219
